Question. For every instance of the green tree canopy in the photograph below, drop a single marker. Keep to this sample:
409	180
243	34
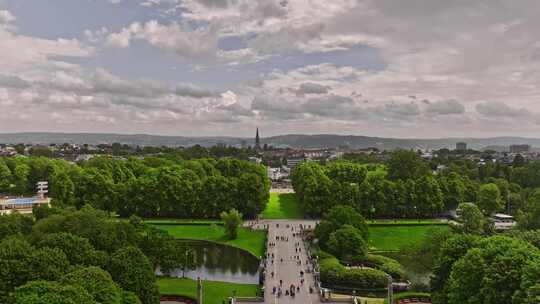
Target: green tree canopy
472	219
132	271
406	164
231	220
489	199
347	242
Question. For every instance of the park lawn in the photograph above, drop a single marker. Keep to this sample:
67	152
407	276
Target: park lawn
282	206
393	238
213	292
248	239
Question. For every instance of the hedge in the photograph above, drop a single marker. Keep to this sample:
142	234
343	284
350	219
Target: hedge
409	295
186	223
335	274
386	264
412	223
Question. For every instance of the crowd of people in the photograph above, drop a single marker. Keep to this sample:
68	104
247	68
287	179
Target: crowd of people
305	264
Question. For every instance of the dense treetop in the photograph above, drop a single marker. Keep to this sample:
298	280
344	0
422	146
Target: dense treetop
151	187
83	254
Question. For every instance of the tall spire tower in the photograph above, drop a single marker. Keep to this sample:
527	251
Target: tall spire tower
257	140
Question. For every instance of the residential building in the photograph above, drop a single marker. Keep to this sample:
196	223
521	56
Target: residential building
293	162
461	146
519	148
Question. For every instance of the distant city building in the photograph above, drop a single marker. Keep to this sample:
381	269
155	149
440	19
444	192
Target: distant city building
276	174
461	146
293	162
519	148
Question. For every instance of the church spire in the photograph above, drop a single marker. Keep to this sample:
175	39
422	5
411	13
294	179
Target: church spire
257	140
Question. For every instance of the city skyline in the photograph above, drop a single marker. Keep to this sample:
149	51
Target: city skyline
225	67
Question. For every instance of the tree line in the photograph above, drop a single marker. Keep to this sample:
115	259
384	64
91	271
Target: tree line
406	187
149	187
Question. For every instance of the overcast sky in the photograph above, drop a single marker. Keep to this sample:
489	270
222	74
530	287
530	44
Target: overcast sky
415	68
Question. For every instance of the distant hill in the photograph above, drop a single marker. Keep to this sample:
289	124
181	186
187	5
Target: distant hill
108	138
354	141
291	140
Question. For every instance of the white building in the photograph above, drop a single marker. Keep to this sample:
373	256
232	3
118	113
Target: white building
503	221
22	205
276	174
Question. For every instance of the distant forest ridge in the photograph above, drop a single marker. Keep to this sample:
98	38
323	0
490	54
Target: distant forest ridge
291	140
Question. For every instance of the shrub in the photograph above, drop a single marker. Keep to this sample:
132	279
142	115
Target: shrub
347	241
409	295
335	274
386	264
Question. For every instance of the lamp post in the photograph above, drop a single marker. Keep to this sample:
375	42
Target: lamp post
390	290
199	291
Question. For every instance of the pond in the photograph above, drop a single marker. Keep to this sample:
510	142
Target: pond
413	271
218	262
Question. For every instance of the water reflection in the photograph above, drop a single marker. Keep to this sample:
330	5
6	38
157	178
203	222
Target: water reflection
217	262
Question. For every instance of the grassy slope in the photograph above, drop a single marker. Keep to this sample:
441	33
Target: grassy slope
393	238
282	206
213	292
250	240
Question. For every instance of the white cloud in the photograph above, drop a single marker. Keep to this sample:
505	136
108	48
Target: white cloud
445	107
6	17
499	109
196	43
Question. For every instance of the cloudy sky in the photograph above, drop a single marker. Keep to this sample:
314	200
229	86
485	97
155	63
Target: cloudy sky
415	68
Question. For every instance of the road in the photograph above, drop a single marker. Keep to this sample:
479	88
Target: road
285	265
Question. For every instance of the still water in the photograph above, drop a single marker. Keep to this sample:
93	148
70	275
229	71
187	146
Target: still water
217	262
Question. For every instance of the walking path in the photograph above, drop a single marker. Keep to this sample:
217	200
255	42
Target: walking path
289	259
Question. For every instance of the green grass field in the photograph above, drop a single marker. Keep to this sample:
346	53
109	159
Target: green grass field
282	206
250	240
213	292
393	238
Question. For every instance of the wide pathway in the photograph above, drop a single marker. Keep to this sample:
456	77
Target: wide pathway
286	259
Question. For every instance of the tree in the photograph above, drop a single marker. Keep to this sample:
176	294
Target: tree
20	175
43	292
48	264
453	190
406	164
529	217
163	250
97	282
14	224
489	199
231	221
429	196
132	271
5	177
452	250
78	250
15	269
347	242
494	272
96	189
467	274
472	219
338	217
62	188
